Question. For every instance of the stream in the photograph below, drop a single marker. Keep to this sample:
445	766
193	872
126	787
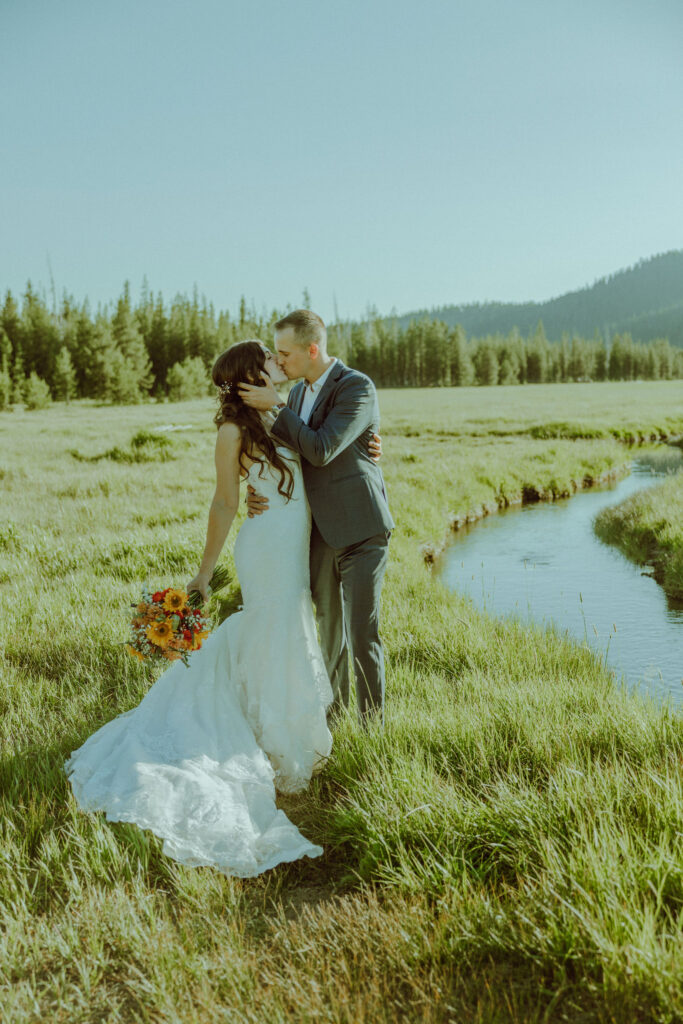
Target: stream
544	562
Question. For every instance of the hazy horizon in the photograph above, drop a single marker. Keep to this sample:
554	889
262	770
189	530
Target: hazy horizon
45	291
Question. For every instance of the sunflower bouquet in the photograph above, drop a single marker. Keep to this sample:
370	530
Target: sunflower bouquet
169	624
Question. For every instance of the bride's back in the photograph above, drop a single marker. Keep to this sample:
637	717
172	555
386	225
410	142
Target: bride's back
269	479
274	545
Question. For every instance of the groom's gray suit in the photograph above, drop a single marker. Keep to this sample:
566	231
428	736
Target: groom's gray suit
351	527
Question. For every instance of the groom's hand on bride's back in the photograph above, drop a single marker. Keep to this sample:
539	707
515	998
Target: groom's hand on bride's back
256	503
375	447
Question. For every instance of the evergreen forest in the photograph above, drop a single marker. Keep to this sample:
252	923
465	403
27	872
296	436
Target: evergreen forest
151	349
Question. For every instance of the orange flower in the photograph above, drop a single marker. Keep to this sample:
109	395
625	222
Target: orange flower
200	635
177	644
136	654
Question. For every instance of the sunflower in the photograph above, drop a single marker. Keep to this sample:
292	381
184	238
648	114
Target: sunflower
175	601
160	633
136	654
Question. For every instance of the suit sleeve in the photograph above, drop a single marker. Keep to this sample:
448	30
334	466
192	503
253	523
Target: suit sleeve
349	417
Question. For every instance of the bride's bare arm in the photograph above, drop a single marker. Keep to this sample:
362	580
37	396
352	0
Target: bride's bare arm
224	504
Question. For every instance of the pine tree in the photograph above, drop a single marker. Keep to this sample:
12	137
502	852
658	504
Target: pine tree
358	353
600	361
37	394
122	387
130	343
538	356
101	367
5	377
11	322
83	347
156	343
188	379
5	350
18	377
64	376
486	363
509	368
40	334
462	368
577	368
5	389
665	357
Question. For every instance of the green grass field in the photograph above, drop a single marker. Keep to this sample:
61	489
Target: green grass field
509	848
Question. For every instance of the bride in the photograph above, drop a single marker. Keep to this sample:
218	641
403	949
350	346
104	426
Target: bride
198	761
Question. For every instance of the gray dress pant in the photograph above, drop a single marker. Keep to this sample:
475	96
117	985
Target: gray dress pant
346	584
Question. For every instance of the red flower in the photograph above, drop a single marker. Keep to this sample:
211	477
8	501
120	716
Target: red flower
157	596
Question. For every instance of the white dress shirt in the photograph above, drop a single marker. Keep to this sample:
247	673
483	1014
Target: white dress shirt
312	391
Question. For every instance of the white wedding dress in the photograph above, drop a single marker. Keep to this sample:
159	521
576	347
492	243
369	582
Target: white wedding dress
198	760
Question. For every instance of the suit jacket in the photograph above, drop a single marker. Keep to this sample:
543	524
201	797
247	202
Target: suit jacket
345	488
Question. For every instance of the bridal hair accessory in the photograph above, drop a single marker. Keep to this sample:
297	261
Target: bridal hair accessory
228	390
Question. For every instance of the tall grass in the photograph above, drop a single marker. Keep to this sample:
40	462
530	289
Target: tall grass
509	848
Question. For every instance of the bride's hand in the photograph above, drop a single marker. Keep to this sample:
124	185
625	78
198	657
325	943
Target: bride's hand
200	583
261	397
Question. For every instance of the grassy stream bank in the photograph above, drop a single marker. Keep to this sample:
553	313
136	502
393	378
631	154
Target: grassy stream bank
509	848
648	527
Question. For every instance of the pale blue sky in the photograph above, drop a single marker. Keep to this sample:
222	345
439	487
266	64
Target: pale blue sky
402	155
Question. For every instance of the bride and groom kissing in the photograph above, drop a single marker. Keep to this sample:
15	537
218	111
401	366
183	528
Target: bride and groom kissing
199	760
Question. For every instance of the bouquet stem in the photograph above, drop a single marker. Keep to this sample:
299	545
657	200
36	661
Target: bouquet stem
219	579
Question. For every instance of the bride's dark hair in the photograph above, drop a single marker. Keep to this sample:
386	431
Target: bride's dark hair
243	363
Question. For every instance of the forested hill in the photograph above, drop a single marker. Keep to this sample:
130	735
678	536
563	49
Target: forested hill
645	300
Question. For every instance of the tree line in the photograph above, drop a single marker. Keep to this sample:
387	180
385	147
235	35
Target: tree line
151	349
429	353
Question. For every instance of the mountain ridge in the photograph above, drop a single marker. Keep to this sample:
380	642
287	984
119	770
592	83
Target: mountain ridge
645	299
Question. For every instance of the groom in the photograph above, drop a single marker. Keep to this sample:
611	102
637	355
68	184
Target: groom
329	418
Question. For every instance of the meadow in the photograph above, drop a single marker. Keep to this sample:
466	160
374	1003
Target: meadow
508	849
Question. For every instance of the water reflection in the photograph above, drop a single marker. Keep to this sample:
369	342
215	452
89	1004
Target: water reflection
545	563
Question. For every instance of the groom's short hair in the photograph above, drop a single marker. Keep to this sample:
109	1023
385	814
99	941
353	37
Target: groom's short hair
309	328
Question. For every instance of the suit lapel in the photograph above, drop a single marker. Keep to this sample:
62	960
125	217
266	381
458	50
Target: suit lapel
335	373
